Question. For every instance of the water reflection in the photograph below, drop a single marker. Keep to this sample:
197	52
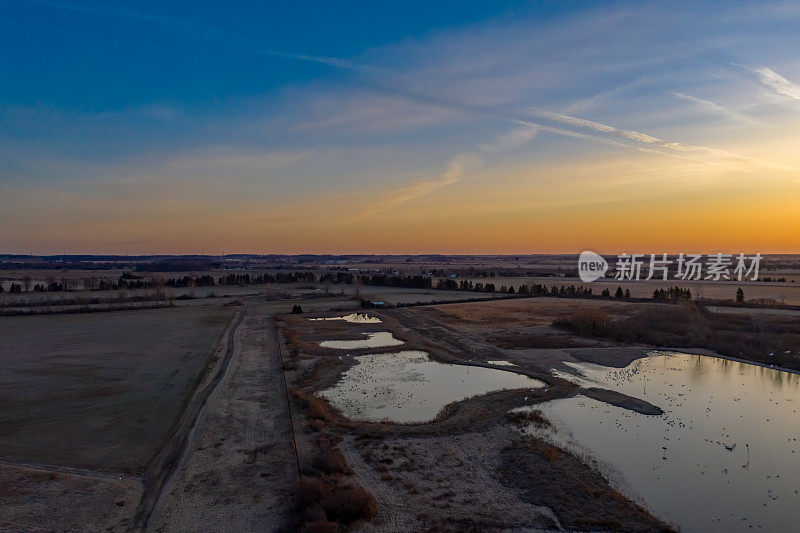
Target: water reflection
725	455
408	386
380	339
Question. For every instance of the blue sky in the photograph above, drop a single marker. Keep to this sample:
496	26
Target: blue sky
380	127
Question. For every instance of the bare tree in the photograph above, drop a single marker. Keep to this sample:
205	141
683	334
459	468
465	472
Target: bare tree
160	293
122	295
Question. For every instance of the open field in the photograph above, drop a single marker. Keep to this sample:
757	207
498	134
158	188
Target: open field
46	499
587	328
100	390
28	273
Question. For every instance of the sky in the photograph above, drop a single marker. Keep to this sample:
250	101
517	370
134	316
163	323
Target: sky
399	127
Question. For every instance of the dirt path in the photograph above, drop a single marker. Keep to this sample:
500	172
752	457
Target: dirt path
48	468
239	469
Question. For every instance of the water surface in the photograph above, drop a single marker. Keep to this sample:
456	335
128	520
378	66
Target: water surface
408	386
725	455
379	339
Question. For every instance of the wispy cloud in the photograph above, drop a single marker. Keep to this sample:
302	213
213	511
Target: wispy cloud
455	170
456	167
667	147
627	134
776	82
588	103
715	108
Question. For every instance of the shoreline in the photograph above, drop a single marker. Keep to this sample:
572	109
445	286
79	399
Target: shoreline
728	357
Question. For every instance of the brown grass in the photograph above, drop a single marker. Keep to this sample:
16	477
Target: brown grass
505	314
312	490
323	505
331	461
493	314
521	340
534	417
350	504
692	326
581	499
313	407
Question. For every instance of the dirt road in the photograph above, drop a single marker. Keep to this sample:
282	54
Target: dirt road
239	468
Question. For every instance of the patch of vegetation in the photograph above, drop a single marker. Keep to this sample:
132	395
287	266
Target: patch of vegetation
331	461
349	504
765	339
528	416
546	475
515	340
324	502
314	408
325	505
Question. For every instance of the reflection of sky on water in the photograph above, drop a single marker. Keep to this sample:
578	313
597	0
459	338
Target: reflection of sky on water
724	456
408	386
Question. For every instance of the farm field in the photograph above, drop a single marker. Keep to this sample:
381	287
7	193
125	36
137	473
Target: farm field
100	390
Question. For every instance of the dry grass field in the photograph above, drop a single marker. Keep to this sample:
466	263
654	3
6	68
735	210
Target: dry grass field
783	293
527	312
100	390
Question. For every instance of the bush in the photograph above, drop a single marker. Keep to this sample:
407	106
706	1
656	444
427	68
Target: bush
316	409
311	491
533	416
349	504
331	461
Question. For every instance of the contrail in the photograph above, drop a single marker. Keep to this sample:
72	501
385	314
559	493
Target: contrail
655	141
455	167
722	111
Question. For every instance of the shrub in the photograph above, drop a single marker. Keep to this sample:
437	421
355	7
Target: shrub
315	408
349	504
311	491
533	416
331	461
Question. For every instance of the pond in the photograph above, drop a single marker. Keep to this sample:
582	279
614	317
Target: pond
354	318
724	456
379	339
409	386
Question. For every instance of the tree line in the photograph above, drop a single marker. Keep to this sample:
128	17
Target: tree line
131	281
